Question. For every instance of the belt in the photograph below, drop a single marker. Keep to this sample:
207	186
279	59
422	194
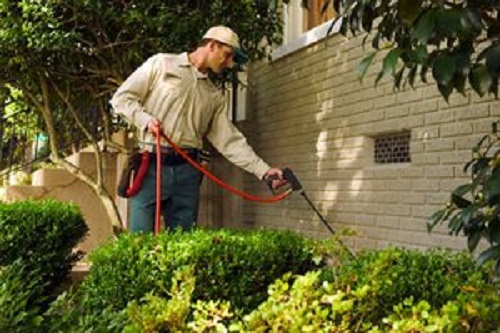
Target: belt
170	150
170	157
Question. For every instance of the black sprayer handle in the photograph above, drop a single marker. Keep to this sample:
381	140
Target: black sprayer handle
291	179
288	176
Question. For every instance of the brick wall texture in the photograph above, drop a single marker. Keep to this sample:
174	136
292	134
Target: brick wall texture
310	112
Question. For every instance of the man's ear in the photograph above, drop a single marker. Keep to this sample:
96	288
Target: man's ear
212	45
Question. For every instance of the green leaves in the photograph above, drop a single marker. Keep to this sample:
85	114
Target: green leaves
256	258
493	253
425	26
424	30
37	251
474	207
443	69
365	64
480	79
449	21
409	10
389	64
492	55
435	218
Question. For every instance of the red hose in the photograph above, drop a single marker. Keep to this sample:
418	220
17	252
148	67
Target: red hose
158	185
207	173
221	183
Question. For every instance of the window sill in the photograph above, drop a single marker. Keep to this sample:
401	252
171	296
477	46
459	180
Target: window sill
310	37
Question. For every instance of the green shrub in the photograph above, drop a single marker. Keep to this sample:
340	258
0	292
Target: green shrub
304	305
156	314
234	266
21	298
379	291
432	275
471	311
372	293
42	236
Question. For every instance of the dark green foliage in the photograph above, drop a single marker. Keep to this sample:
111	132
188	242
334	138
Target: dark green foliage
21	298
231	265
37	239
42	236
378	291
474	208
76	53
235	266
458	40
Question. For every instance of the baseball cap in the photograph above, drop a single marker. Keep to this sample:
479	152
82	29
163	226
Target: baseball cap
227	36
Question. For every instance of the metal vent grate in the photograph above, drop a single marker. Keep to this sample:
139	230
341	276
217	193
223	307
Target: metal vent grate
392	148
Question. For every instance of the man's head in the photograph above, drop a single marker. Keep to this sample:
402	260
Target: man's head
224	48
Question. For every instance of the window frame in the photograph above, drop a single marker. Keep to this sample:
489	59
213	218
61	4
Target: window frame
291	19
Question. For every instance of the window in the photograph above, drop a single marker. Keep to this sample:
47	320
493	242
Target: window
303	27
315	16
299	19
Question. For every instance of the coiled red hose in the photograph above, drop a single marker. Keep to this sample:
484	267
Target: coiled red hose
207	173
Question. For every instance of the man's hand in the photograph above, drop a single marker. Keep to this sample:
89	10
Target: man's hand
154	126
278	174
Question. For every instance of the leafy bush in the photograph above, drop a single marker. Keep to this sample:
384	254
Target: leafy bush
21	298
394	275
393	290
156	314
372	293
234	266
42	236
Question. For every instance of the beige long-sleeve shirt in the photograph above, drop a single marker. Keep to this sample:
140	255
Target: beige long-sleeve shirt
188	105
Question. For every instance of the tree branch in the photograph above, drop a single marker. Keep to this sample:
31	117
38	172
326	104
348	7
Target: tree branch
87	134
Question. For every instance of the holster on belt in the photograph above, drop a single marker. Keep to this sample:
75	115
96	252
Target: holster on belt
133	174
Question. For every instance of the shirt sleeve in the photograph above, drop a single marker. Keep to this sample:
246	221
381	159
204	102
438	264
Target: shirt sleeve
128	100
231	143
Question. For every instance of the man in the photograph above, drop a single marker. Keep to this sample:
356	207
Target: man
172	94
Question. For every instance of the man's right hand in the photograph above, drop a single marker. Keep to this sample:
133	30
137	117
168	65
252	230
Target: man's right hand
277	178
154	126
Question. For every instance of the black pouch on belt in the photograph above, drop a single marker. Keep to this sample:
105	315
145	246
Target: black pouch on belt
133	174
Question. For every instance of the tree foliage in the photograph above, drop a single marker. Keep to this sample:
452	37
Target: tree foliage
458	41
67	57
474	207
77	52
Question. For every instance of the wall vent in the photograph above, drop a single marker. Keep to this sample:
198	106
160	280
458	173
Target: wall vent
392	148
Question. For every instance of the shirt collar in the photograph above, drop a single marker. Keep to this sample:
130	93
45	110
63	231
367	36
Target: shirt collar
182	60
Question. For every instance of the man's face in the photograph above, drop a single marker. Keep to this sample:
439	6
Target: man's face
221	57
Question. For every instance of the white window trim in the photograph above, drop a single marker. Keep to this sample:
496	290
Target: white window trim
241	99
309	37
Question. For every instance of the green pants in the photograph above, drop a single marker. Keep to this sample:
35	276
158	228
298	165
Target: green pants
180	193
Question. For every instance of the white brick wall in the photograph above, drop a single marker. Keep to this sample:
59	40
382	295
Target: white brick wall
310	112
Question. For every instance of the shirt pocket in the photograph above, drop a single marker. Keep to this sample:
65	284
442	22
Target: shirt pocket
171	82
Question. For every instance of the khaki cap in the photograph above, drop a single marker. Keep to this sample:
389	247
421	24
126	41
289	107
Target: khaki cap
227	36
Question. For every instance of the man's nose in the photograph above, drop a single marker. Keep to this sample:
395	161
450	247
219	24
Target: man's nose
229	62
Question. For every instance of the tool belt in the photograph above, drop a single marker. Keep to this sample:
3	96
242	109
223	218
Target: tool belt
172	158
138	163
